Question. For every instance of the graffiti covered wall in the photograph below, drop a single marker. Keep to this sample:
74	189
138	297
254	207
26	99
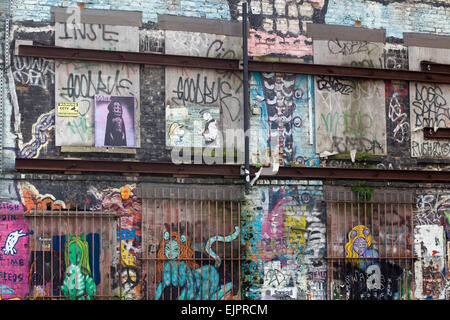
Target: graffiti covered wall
284	235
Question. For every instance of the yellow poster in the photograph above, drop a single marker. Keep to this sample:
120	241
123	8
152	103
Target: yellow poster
68	109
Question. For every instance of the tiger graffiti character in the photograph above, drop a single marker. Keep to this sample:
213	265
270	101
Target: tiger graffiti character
178	268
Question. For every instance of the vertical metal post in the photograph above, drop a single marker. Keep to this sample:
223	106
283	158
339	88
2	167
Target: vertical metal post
245	98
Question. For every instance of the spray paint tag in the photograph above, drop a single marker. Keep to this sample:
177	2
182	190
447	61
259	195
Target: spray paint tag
68	109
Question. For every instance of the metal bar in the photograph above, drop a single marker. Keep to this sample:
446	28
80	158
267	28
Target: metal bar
229	64
227	170
147	58
440	133
245	97
428	66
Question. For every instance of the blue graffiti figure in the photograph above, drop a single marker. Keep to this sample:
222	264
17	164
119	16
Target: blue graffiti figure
196	283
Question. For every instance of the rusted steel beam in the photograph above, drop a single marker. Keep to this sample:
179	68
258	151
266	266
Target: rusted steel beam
353	72
229	64
362	174
440	133
69	165
129	57
428	66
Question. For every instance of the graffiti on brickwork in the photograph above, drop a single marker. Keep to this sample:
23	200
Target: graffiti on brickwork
344	121
430	207
397	112
40	133
280	27
286	244
195	282
429	246
283	118
32	71
14	239
33	200
387	15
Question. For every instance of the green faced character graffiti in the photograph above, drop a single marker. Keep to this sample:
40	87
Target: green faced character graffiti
78	283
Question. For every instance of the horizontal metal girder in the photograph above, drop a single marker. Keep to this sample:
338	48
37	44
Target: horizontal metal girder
440	133
234	171
434	67
229	64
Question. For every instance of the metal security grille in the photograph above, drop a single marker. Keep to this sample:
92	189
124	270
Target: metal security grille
370	243
191	243
72	253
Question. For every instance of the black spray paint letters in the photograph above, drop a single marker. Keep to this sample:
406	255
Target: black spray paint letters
87	85
90	32
198	90
430	148
430	107
334	84
345	144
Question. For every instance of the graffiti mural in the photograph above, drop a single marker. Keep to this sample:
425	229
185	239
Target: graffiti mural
282	119
364	276
196	282
78	283
284	234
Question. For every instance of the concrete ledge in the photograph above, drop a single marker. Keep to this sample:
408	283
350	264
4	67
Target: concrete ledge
426	40
344	33
97	16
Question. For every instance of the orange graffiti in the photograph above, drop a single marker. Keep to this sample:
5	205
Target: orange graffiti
32	200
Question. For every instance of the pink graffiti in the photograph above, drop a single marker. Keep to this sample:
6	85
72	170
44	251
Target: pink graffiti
6	207
261	43
14	258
